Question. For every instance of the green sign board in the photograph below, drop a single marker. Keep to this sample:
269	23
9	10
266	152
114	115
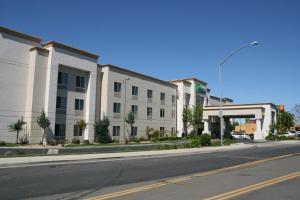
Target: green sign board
200	88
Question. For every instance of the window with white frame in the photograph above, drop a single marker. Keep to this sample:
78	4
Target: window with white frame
117	87
77	131
61	103
80	82
149	94
173	100
79	104
134	109
134	131
162	98
116	130
62	78
117	108
162	113
173	114
135	91
149	111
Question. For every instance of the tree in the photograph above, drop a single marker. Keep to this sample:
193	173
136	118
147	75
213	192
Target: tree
17	127
81	124
101	130
296	112
196	118
44	123
186	118
149	132
130	120
285	120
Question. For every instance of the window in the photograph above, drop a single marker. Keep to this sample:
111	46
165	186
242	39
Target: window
162	131
80	82
134	131
117	87
61	103
173	131
162	98
116	130
173	114
79	103
149	94
62	78
162	113
187	99
77	131
149	111
60	131
173	100
134	109
135	91
117	108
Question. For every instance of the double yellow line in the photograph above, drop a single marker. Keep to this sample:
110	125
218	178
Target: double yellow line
185	178
254	187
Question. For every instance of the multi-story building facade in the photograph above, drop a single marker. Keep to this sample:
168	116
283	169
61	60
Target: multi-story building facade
53	77
152	101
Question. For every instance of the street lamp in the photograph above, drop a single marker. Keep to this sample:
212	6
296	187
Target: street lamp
124	136
220	85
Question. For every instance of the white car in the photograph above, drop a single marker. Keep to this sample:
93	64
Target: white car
291	134
241	136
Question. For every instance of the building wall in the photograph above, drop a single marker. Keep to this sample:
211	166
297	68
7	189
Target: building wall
110	75
14	69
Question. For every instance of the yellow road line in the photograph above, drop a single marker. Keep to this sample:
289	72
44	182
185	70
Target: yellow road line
254	187
185	178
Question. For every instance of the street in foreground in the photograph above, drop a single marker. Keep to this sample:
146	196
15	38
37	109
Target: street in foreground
168	177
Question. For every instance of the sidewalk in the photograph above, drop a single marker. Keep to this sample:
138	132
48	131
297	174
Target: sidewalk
86	157
82	157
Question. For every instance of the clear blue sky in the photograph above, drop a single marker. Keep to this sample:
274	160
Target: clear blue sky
177	39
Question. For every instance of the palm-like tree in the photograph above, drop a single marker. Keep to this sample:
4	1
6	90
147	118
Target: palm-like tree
17	127
44	123
81	124
130	120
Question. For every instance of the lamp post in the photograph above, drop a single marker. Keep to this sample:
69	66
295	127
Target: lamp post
220	85
124	136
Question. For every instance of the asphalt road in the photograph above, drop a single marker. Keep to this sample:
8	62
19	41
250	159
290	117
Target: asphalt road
72	181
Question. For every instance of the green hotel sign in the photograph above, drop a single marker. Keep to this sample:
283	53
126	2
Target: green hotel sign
200	88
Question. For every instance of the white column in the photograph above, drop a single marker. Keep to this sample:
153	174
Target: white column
258	133
206	127
90	108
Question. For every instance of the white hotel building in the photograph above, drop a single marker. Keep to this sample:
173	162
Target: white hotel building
70	85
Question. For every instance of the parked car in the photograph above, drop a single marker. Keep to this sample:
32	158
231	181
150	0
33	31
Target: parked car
291	134
241	136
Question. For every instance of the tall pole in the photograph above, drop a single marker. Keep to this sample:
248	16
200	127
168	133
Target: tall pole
220	86
221	105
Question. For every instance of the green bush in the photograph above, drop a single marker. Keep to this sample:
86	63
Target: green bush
271	137
75	141
52	142
195	143
2	143
205	140
228	141
215	142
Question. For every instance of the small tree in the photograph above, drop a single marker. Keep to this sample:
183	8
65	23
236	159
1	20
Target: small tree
196	118
44	123
130	120
81	124
186	118
101	130
149	132
285	120
17	127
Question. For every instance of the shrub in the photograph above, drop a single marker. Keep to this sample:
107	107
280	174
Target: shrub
75	141
52	142
195	143
101	131
205	140
135	140
2	143
24	140
86	142
216	142
271	137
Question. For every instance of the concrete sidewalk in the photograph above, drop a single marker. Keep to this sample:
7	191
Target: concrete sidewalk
82	157
86	157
